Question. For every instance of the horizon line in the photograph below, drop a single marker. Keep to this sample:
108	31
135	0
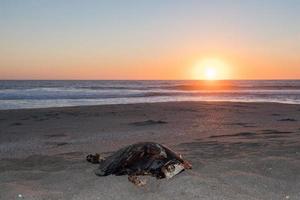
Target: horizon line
149	80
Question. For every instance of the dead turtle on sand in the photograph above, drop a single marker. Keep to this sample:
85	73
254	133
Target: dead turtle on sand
145	158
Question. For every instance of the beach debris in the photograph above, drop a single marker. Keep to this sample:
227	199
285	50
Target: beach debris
140	159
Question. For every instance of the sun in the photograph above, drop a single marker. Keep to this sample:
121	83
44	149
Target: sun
210	73
210	69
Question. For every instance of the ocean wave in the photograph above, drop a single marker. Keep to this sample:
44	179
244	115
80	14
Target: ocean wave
230	85
21	94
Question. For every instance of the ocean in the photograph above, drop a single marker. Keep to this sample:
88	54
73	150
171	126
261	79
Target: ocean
42	94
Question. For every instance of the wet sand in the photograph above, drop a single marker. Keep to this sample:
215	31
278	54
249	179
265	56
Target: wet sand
238	150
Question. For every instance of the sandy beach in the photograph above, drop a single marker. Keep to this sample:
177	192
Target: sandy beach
238	150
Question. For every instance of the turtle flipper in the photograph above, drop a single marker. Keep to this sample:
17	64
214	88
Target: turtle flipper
100	172
137	180
95	159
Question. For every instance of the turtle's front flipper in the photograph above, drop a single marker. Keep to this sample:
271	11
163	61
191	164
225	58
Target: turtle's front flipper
95	159
136	180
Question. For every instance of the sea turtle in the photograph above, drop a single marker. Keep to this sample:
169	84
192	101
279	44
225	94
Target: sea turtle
144	158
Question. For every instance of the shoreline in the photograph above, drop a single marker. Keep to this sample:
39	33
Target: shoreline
147	103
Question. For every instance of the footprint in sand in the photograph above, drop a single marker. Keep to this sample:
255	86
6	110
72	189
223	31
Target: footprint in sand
271	131
287	120
245	125
241	134
16	124
148	122
57	143
276	114
55	135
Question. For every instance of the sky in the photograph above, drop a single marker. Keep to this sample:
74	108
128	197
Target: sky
149	39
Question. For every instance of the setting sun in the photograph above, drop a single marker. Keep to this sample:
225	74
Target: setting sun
210	73
211	69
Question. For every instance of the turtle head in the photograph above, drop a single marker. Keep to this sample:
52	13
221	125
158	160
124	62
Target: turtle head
185	163
172	168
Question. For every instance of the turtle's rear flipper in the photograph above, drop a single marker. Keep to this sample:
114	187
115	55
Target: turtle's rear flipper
95	159
100	172
136	181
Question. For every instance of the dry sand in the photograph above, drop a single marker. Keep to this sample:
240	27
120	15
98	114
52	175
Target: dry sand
238	150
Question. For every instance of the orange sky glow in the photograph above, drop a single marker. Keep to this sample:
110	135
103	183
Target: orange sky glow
157	40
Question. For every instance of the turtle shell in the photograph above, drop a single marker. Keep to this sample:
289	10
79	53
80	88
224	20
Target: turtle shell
146	158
